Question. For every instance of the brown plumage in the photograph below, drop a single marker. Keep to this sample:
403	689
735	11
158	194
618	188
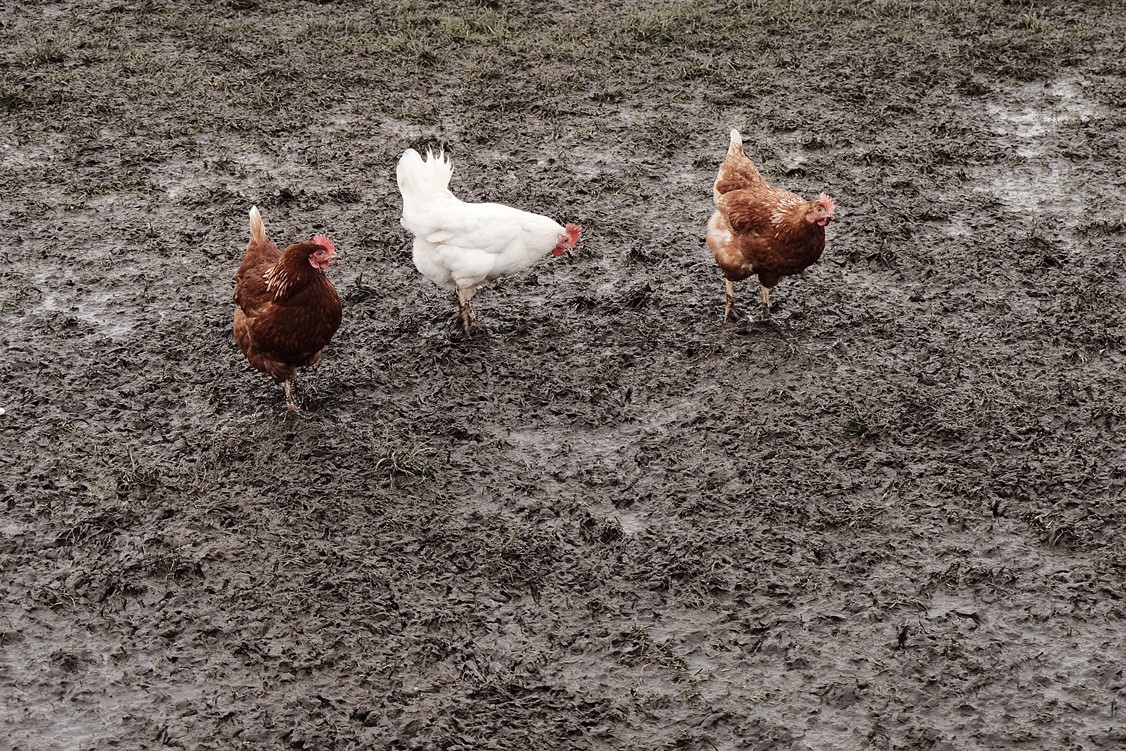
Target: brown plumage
760	229
287	309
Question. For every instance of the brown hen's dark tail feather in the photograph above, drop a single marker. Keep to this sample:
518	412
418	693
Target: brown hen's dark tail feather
257	228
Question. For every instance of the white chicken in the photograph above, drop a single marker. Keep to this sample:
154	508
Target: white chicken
461	246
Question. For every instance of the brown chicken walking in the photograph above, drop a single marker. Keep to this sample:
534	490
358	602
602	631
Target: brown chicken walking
760	229
287	310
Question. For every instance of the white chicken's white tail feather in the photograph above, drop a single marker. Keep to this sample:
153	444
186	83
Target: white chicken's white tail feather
419	180
257	226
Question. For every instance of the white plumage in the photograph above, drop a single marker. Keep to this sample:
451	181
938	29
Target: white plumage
461	246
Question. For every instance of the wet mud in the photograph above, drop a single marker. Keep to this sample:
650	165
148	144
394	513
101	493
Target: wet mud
892	517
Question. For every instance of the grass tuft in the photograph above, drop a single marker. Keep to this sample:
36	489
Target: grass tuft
47	54
1034	23
397	464
673	24
638	647
136	475
15	96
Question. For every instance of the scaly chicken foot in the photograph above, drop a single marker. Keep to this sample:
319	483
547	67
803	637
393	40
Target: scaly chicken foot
733	314
466	314
291	395
765	310
730	313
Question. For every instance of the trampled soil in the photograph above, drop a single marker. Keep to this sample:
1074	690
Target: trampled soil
892	518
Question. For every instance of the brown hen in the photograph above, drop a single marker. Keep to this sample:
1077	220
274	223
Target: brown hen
287	310
760	229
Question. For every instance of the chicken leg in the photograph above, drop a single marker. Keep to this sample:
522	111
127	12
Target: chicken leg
465	313
729	311
291	395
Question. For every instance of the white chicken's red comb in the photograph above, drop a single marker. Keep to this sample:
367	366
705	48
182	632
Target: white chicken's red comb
325	243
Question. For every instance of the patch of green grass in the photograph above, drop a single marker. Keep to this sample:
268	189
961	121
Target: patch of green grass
863	422
677	25
175	567
412	47
398	464
571	45
15	95
53	599
662	25
136	475
881	253
639	647
1034	23
98	530
259	98
1052	532
703	69
487	72
198	27
47	53
863	515
475	128
485	28
905	602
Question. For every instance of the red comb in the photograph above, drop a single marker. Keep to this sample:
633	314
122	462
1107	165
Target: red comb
827	202
325	243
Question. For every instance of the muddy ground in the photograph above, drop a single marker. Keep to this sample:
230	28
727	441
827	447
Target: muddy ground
893	518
